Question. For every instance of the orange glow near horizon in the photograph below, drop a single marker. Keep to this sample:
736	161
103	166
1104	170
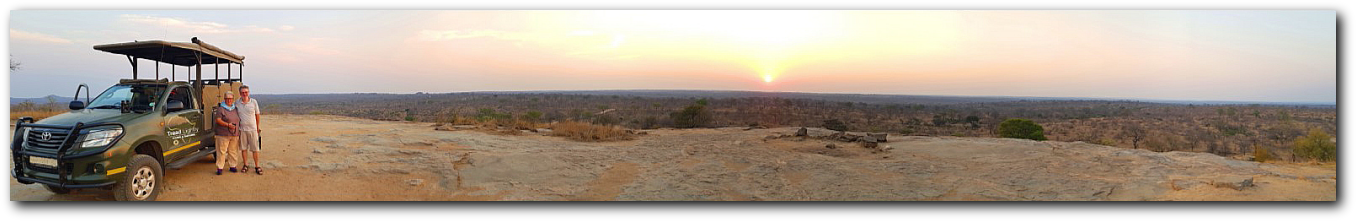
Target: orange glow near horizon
931	52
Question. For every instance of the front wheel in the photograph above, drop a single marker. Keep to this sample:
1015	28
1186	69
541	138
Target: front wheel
142	182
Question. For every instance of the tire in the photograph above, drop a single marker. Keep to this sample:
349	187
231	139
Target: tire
142	182
56	190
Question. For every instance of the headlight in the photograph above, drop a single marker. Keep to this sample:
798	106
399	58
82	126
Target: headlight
24	135
102	137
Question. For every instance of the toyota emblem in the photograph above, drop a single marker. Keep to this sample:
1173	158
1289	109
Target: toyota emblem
46	136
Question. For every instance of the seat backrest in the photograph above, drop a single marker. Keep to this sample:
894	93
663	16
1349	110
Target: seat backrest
211	95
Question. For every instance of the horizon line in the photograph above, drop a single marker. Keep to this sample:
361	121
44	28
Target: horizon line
1150	100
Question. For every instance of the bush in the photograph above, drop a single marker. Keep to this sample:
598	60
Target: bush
485	114
588	132
532	116
650	122
1317	146
1021	128
1260	154
692	116
1104	142
835	124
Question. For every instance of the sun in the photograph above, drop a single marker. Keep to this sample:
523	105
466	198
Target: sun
767	78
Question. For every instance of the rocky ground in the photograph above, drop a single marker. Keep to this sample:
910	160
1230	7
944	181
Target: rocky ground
316	157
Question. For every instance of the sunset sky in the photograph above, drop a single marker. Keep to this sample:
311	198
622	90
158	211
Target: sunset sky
1279	56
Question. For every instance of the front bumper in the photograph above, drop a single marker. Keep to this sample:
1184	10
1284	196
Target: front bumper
69	185
72	171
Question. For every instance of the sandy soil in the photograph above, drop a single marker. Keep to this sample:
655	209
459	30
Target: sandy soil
318	158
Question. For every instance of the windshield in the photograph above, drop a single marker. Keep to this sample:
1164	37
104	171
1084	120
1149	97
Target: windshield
141	97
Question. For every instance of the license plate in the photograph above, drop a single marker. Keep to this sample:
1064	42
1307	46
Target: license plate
46	162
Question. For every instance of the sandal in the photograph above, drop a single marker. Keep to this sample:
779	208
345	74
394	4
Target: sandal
259	171
244	169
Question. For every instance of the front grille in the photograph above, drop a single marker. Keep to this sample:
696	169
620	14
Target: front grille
68	167
37	140
41	168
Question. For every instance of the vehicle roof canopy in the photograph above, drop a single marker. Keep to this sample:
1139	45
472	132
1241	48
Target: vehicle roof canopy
176	53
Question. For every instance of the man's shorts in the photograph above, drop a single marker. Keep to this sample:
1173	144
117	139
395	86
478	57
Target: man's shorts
249	140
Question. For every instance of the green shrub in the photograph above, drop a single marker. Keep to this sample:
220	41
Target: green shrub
1105	142
1317	146
1021	128
485	114
532	116
692	116
835	124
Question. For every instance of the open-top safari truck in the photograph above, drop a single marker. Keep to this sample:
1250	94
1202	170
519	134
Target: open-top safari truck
124	137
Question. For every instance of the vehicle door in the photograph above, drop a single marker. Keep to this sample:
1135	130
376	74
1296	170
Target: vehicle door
181	124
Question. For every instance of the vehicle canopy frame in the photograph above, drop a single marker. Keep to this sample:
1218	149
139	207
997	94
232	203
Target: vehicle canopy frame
193	54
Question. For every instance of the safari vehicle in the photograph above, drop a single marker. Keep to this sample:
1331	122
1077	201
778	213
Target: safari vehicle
124	138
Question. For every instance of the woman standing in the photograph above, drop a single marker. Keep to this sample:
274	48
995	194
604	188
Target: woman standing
227	133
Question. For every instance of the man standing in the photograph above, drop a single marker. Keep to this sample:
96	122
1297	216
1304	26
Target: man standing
249	128
227	132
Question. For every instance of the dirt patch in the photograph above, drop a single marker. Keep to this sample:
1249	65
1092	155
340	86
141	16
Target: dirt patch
609	185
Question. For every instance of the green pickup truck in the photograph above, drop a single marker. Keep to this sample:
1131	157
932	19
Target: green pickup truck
124	138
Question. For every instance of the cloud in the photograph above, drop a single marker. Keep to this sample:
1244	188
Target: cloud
314	46
308	48
194	26
252	28
23	35
282	58
437	35
286	28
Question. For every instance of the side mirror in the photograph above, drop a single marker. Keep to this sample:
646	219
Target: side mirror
76	105
173	106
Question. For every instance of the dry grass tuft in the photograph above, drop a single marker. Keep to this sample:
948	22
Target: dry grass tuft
581	131
1260	154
